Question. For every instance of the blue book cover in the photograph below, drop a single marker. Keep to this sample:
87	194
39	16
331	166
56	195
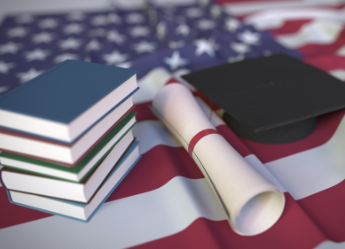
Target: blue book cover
65	91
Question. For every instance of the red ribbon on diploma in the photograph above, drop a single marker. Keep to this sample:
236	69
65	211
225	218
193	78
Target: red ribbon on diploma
197	138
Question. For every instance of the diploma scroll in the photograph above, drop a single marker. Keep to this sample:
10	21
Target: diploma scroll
251	202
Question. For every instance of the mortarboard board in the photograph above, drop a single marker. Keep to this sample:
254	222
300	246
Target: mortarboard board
270	99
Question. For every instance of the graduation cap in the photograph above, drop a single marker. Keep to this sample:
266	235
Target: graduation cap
270	99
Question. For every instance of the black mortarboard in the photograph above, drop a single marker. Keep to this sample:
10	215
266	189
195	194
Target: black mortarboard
270	99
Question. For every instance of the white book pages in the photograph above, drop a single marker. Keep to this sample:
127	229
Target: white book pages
252	203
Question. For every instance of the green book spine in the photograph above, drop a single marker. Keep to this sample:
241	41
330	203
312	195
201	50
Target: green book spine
76	169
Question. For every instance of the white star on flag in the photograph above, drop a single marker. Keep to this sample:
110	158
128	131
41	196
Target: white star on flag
93	45
144	46
249	37
70	43
26	76
216	11
3	89
206	24
24	19
239	47
99	20
175	60
5	67
232	24
65	56
139	31
182	29
115	57
97	32
236	58
126	64
9	47
267	53
176	44
194	12
76	15
17	32
205	46
73	28
116	37
134	18
43	37
48	23
36	54
114	18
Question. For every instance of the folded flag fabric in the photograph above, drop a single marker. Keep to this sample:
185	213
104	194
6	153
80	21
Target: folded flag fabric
165	201
191	36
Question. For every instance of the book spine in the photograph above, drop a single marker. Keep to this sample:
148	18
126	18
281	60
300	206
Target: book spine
2	181
9	197
23	134
112	190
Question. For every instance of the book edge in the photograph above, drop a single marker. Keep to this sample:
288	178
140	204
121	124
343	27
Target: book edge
100	204
66	169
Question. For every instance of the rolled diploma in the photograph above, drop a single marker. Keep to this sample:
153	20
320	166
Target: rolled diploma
251	202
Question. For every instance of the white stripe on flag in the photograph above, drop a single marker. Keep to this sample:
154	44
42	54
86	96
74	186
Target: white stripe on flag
330	245
242	8
122	223
315	32
151	133
271	18
301	174
257	164
314	170
338	73
341	51
150	84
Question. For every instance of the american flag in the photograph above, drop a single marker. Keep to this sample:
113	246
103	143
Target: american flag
165	202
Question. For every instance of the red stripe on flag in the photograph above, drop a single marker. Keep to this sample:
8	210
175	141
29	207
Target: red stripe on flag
319	49
253	1
325	128
327	62
290	27
206	100
12	214
143	112
234	140
293	230
326	208
311	49
154	169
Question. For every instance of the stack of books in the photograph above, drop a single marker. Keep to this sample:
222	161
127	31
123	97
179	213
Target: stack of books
65	138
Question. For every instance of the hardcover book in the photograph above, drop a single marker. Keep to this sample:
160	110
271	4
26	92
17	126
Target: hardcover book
75	191
74	209
65	101
62	153
80	171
